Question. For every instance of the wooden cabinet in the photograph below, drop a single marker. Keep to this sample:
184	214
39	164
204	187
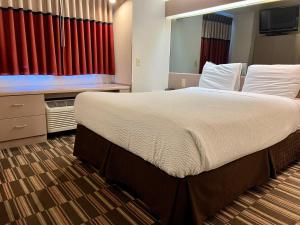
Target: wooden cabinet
283	49
22	120
23	127
20	106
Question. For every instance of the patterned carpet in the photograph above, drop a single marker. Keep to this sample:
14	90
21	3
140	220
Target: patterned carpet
45	184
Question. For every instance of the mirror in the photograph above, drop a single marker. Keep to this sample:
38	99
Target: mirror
261	34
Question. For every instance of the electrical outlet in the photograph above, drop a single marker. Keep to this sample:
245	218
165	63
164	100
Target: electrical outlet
183	83
196	64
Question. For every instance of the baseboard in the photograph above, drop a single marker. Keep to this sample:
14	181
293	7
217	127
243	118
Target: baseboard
24	141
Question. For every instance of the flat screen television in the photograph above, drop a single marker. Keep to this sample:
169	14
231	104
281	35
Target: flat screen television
279	20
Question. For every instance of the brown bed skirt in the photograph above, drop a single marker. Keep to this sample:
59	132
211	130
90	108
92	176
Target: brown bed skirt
188	200
284	153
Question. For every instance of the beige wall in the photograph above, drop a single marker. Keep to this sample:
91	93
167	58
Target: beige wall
190	80
174	7
150	45
183	80
123	42
243	36
185	44
246	30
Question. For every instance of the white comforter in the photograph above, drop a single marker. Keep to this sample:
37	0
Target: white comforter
188	131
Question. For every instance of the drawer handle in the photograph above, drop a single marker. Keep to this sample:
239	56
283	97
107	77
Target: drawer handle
21	126
17	105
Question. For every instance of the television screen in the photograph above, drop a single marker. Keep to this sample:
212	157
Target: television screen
279	20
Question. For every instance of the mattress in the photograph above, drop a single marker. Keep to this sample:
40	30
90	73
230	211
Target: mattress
188	131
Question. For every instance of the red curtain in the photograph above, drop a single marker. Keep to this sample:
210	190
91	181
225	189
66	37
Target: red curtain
31	43
215	42
214	50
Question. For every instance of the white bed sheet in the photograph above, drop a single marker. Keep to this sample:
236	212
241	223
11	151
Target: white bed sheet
188	131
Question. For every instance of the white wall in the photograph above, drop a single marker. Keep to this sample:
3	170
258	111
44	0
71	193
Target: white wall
123	42
150	45
243	36
186	44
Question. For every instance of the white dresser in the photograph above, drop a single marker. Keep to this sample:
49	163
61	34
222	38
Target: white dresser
22	120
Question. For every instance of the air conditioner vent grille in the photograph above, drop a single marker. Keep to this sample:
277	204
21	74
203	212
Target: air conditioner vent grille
60	115
60	103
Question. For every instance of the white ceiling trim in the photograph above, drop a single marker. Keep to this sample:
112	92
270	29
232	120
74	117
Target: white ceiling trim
219	8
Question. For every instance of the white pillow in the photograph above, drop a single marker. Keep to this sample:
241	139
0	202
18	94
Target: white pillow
222	77
280	80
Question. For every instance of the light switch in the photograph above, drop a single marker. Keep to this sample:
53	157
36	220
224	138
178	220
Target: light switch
138	62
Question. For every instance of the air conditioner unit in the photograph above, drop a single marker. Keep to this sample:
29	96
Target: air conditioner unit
60	115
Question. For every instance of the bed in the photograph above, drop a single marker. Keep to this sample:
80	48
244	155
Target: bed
172	142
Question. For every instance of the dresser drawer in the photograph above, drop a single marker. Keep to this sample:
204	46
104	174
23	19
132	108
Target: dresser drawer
21	106
23	127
